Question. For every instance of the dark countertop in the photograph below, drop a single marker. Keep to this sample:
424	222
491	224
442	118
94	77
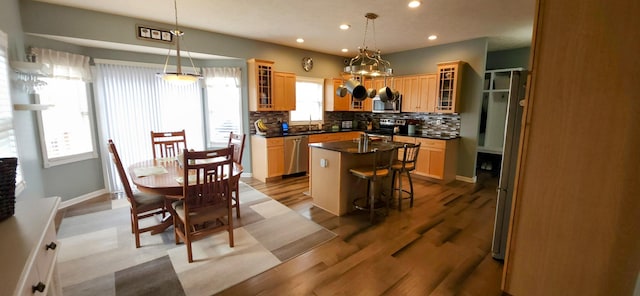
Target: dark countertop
274	134
353	148
429	136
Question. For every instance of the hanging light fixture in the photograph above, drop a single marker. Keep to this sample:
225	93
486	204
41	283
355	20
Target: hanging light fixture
179	76
369	64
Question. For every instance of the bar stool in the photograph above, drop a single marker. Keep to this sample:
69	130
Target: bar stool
405	164
374	175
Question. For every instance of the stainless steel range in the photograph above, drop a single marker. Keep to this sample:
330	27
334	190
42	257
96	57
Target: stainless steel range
388	127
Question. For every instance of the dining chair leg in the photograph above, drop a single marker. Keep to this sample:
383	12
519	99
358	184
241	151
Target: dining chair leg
136	233
411	189
237	199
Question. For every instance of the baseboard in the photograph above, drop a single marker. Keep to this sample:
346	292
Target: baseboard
467	179
248	175
79	199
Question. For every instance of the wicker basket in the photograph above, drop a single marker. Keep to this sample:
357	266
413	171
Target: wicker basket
7	187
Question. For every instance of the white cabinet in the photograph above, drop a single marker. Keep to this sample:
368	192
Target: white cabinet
29	249
495	100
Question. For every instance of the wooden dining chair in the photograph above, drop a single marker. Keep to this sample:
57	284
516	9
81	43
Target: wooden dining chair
142	205
206	207
168	144
236	141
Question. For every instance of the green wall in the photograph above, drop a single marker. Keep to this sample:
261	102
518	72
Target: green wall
505	59
24	121
473	53
40	19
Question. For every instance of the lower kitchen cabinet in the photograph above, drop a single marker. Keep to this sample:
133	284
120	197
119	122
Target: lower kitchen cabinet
267	157
437	159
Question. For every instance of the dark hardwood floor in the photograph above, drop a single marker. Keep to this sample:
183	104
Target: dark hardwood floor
441	246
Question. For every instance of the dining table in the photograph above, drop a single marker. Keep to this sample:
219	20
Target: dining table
165	176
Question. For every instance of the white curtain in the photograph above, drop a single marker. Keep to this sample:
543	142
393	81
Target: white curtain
64	65
132	102
224	103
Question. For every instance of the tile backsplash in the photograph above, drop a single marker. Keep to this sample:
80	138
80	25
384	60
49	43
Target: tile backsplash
426	123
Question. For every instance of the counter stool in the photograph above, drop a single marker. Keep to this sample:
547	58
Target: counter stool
374	175
404	164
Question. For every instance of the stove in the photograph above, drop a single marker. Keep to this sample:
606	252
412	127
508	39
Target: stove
388	127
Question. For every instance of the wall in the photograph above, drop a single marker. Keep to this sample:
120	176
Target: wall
512	58
42	19
474	53
24	121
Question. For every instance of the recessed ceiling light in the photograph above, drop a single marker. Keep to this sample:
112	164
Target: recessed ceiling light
300	40
432	37
345	27
344	50
414	4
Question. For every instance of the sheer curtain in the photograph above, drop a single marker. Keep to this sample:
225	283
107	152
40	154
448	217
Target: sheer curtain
224	104
131	102
64	64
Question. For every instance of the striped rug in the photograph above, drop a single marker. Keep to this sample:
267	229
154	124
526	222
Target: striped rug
98	254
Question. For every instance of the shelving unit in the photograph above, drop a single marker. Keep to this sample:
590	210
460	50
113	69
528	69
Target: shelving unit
495	99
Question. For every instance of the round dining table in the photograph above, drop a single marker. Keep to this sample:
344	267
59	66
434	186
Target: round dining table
160	176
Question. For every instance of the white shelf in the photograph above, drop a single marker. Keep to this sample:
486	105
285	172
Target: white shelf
38	69
31	107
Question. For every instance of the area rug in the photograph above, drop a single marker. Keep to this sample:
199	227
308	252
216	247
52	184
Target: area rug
98	255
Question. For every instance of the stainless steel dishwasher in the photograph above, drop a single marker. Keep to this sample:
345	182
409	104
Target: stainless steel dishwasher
296	154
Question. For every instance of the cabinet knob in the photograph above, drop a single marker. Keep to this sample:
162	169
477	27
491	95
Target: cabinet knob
51	246
39	287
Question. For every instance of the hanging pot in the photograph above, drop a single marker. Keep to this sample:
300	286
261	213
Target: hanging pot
371	92
356	89
385	94
341	91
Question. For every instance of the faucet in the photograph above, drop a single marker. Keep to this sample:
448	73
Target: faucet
310	128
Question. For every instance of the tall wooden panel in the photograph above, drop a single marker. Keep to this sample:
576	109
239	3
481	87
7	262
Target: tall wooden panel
576	217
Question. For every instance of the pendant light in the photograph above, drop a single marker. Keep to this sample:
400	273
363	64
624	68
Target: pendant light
368	64
179	77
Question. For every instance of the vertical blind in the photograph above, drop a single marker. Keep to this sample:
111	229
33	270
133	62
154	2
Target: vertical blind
132	102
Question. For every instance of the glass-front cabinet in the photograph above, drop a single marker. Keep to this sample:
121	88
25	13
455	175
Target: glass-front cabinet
448	90
260	76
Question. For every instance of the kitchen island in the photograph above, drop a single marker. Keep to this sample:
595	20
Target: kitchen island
332	186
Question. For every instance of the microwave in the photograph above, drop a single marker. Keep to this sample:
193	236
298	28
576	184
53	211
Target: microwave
386	107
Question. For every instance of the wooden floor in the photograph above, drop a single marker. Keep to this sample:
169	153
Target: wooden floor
441	246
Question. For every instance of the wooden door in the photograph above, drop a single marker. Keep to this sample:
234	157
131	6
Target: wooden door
436	163
333	102
575	221
284	91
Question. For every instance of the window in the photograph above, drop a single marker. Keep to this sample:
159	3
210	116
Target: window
223	104
7	139
66	127
309	101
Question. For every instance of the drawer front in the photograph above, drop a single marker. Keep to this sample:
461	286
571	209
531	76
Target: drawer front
404	139
47	253
430	143
275	141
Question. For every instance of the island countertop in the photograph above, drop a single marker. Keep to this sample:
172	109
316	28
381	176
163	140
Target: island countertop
354	148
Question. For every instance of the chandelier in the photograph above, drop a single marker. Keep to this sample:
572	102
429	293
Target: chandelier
368	64
179	76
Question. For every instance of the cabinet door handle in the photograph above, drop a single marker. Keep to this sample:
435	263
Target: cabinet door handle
39	287
51	246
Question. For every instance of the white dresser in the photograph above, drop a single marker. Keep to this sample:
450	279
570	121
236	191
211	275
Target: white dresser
29	248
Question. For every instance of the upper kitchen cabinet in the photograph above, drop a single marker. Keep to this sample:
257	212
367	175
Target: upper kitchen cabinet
448	89
284	91
260	76
333	102
418	92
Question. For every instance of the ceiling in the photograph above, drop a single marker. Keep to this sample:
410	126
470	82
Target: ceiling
506	23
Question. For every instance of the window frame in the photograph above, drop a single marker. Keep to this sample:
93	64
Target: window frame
319	81
47	161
